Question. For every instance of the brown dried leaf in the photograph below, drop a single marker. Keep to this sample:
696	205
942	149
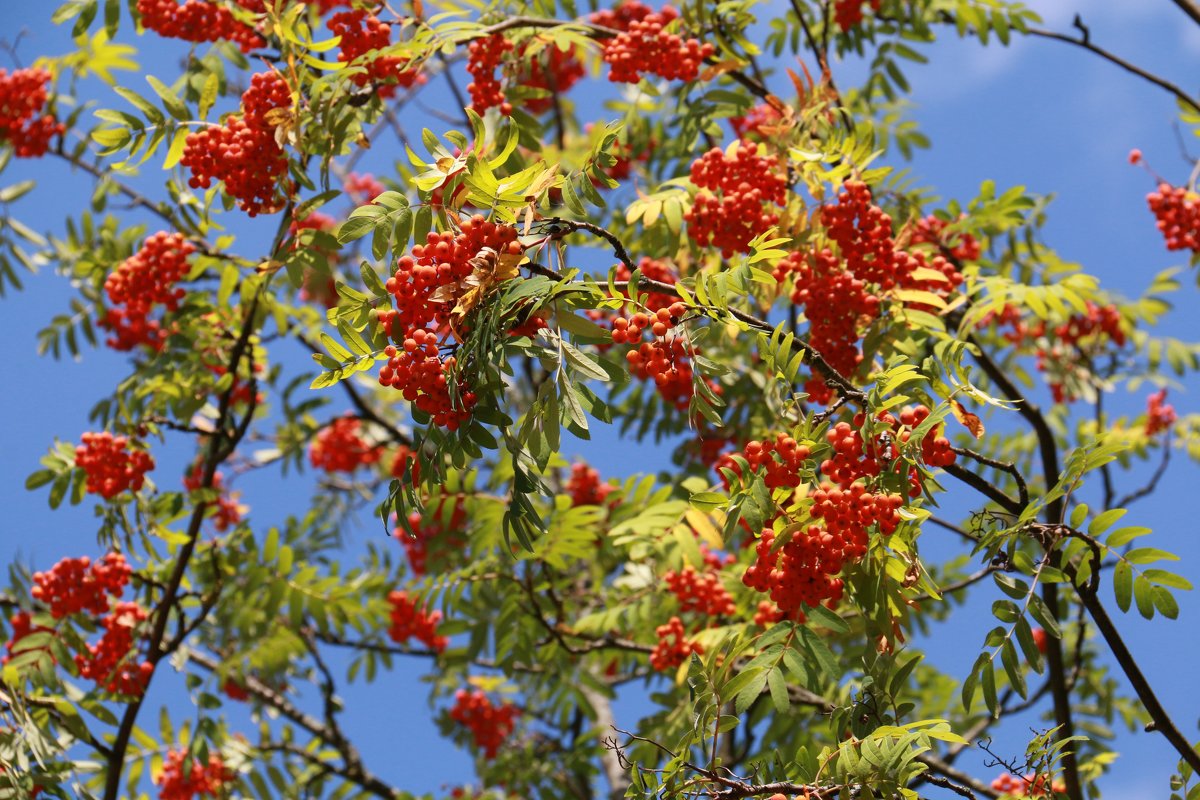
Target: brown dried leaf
969	421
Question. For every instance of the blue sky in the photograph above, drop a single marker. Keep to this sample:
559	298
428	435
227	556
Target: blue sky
1038	113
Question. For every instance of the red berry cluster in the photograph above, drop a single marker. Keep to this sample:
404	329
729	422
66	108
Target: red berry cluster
1159	417
849	13
853	458
110	662
362	33
768	614
184	778
781	461
22	626
78	585
433	527
425	289
245	153
110	465
145	279
672	648
1178	213
1028	786
483	56
644	45
756	123
406	459
338	447
624	14
551	69
586	488
362	189
22	96
197	21
234	690
668	363
739	190
701	592
489	724
962	247
409	621
228	510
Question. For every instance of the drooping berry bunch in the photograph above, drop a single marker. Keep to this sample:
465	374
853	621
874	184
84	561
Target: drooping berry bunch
645	46
586	488
854	458
425	289
22	125
622	15
551	69
489	724
667	362
197	21
410	621
767	614
740	191
228	510
80	585
1028	786
849	13
363	33
700	592
1089	333
245	153
110	465
338	447
184	778
483	56
362	189
1159	416
673	647
1177	211
112	662
442	526
146	279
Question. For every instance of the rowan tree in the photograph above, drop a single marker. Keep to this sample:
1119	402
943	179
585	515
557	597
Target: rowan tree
726	259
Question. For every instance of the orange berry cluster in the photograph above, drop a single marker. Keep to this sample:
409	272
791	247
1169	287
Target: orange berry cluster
1159	417
78	585
551	69
229	510
738	192
701	592
483	56
183	778
363	32
22	126
668	363
1177	211
409	621
145	279
362	189
672	648
433	526
489	724
110	465
767	614
781	460
849	13
420	319
586	488
197	21
644	45
109	662
1028	786
245	153
338	447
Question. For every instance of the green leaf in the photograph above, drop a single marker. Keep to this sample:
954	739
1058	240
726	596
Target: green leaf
1123	584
